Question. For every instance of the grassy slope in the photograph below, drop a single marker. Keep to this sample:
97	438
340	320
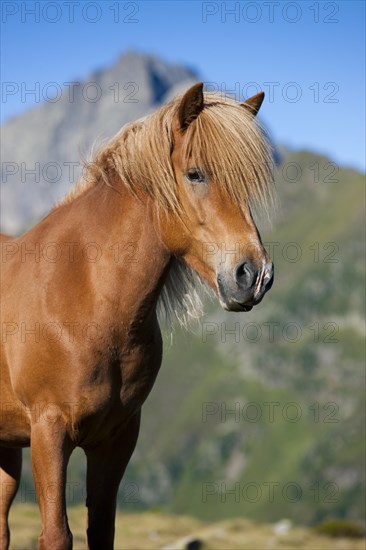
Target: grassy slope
154	530
305	372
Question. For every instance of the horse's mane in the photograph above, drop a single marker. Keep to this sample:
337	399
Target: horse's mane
225	141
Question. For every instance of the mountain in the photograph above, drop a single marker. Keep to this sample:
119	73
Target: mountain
50	139
257	415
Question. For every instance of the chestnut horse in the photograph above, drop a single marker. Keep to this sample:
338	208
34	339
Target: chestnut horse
171	195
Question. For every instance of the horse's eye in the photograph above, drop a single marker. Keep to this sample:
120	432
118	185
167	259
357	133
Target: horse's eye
195	176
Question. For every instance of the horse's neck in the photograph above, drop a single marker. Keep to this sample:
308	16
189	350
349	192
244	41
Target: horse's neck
131	261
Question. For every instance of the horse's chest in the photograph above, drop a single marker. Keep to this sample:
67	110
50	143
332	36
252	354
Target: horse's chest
121	387
138	374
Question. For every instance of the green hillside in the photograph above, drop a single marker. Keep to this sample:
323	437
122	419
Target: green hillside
260	415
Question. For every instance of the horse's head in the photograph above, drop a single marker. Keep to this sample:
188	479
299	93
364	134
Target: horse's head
221	166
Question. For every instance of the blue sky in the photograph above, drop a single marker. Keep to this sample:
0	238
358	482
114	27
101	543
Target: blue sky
308	56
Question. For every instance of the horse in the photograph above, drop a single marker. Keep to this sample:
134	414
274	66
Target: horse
167	204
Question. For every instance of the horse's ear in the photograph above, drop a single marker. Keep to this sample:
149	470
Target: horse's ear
191	105
253	104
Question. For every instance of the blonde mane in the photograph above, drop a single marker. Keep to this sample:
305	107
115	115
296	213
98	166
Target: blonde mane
225	142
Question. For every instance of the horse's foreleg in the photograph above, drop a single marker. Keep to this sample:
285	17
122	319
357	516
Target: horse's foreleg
10	470
51	449
105	467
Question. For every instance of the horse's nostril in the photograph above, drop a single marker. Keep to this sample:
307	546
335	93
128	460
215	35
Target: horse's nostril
244	275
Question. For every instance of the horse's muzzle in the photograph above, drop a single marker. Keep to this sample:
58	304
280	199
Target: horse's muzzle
246	286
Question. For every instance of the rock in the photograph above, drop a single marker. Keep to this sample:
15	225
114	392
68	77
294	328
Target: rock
188	543
282	527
